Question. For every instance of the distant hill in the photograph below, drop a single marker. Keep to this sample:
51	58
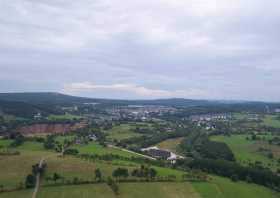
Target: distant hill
20	109
47	102
42	97
58	98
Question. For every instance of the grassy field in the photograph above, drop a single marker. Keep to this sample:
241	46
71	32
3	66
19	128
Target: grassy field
95	148
220	187
17	194
123	131
70	167
127	190
158	190
15	168
66	116
5	143
11	118
82	191
271	120
246	150
170	144
61	138
240	116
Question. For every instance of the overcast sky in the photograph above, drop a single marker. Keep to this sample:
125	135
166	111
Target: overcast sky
201	49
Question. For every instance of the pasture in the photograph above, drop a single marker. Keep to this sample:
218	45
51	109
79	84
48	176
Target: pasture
66	116
158	190
95	148
220	187
271	121
170	144
121	132
246	151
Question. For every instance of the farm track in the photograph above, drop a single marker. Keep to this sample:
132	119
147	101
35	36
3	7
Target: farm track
38	176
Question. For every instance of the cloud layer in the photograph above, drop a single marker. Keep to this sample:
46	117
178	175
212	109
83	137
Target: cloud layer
163	48
131	89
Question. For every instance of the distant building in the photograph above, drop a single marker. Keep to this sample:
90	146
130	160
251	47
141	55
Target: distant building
253	116
92	137
38	116
157	153
209	117
162	154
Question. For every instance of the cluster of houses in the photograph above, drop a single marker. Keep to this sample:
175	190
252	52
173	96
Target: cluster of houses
253	116
206	120
138	112
210	117
83	140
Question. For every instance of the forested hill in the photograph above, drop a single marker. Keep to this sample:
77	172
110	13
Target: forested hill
57	98
42	97
54	98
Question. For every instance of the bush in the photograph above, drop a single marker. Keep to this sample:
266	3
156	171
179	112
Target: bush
113	185
234	178
30	181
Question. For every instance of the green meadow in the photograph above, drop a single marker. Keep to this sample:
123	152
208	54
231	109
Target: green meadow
95	148
66	116
272	121
14	169
220	187
246	151
122	131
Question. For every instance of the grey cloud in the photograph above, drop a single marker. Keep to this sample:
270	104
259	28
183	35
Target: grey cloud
216	46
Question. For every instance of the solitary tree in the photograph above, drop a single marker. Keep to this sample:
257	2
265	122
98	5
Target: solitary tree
30	181
56	177
98	174
120	172
152	173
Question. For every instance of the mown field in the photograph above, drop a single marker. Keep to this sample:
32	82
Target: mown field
272	121
246	151
127	190
15	168
217	188
171	144
66	116
220	187
158	190
122	131
95	148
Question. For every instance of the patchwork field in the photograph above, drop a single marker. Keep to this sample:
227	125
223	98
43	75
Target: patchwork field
63	117
95	148
15	168
272	121
217	188
171	144
220	187
123	131
246	151
158	190
4	143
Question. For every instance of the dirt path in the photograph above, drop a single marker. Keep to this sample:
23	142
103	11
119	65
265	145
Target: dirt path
38	179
